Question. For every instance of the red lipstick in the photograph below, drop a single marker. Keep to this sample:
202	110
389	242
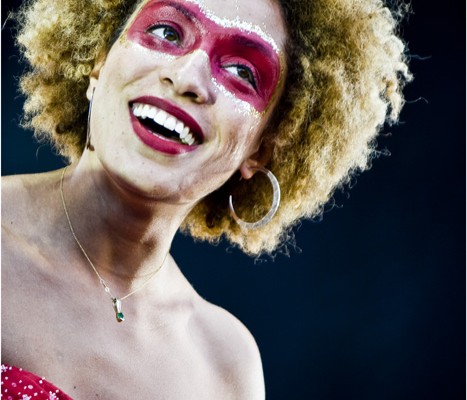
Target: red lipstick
156	140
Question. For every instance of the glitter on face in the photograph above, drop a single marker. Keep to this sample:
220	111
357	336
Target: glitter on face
243	106
237	23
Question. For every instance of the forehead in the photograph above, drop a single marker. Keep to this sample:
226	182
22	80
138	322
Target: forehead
262	17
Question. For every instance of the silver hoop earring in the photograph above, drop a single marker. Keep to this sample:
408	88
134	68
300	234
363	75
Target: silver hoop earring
276	198
88	144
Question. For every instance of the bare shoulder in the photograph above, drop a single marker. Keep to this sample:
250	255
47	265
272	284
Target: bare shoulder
232	349
26	211
22	184
15	199
13	187
15	196
23	195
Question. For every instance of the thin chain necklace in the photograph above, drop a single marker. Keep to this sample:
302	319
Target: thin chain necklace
116	301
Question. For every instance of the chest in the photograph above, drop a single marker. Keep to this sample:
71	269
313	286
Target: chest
73	340
86	361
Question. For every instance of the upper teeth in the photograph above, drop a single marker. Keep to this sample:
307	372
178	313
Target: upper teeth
166	120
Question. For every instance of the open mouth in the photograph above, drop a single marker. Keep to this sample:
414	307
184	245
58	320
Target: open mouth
161	123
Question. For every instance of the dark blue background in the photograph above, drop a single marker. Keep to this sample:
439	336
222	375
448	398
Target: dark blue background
373	307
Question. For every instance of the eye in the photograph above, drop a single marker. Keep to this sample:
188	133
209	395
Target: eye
242	72
165	32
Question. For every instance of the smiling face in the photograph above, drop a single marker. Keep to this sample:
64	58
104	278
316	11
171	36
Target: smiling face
183	96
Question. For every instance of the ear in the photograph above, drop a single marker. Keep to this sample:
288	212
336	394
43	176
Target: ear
260	158
94	76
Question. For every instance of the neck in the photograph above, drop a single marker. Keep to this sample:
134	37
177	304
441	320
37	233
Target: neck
126	235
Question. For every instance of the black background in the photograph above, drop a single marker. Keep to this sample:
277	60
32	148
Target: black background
373	307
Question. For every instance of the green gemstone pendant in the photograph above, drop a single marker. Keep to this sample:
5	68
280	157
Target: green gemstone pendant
117	303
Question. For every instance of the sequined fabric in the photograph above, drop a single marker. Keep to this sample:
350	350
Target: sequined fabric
18	384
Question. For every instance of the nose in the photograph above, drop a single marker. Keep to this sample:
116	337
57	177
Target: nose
190	76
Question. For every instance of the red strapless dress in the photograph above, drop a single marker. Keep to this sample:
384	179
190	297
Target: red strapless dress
18	384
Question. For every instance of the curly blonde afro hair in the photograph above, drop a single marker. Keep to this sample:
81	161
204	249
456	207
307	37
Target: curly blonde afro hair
346	68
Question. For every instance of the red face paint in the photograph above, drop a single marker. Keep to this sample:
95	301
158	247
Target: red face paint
244	63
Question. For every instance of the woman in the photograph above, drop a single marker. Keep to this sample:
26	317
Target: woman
161	106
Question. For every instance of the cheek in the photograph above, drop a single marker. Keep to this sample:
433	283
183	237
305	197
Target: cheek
243	110
241	137
128	62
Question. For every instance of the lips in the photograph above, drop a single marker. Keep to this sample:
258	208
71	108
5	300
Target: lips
163	126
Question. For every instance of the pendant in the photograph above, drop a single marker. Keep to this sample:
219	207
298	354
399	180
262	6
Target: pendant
117	303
